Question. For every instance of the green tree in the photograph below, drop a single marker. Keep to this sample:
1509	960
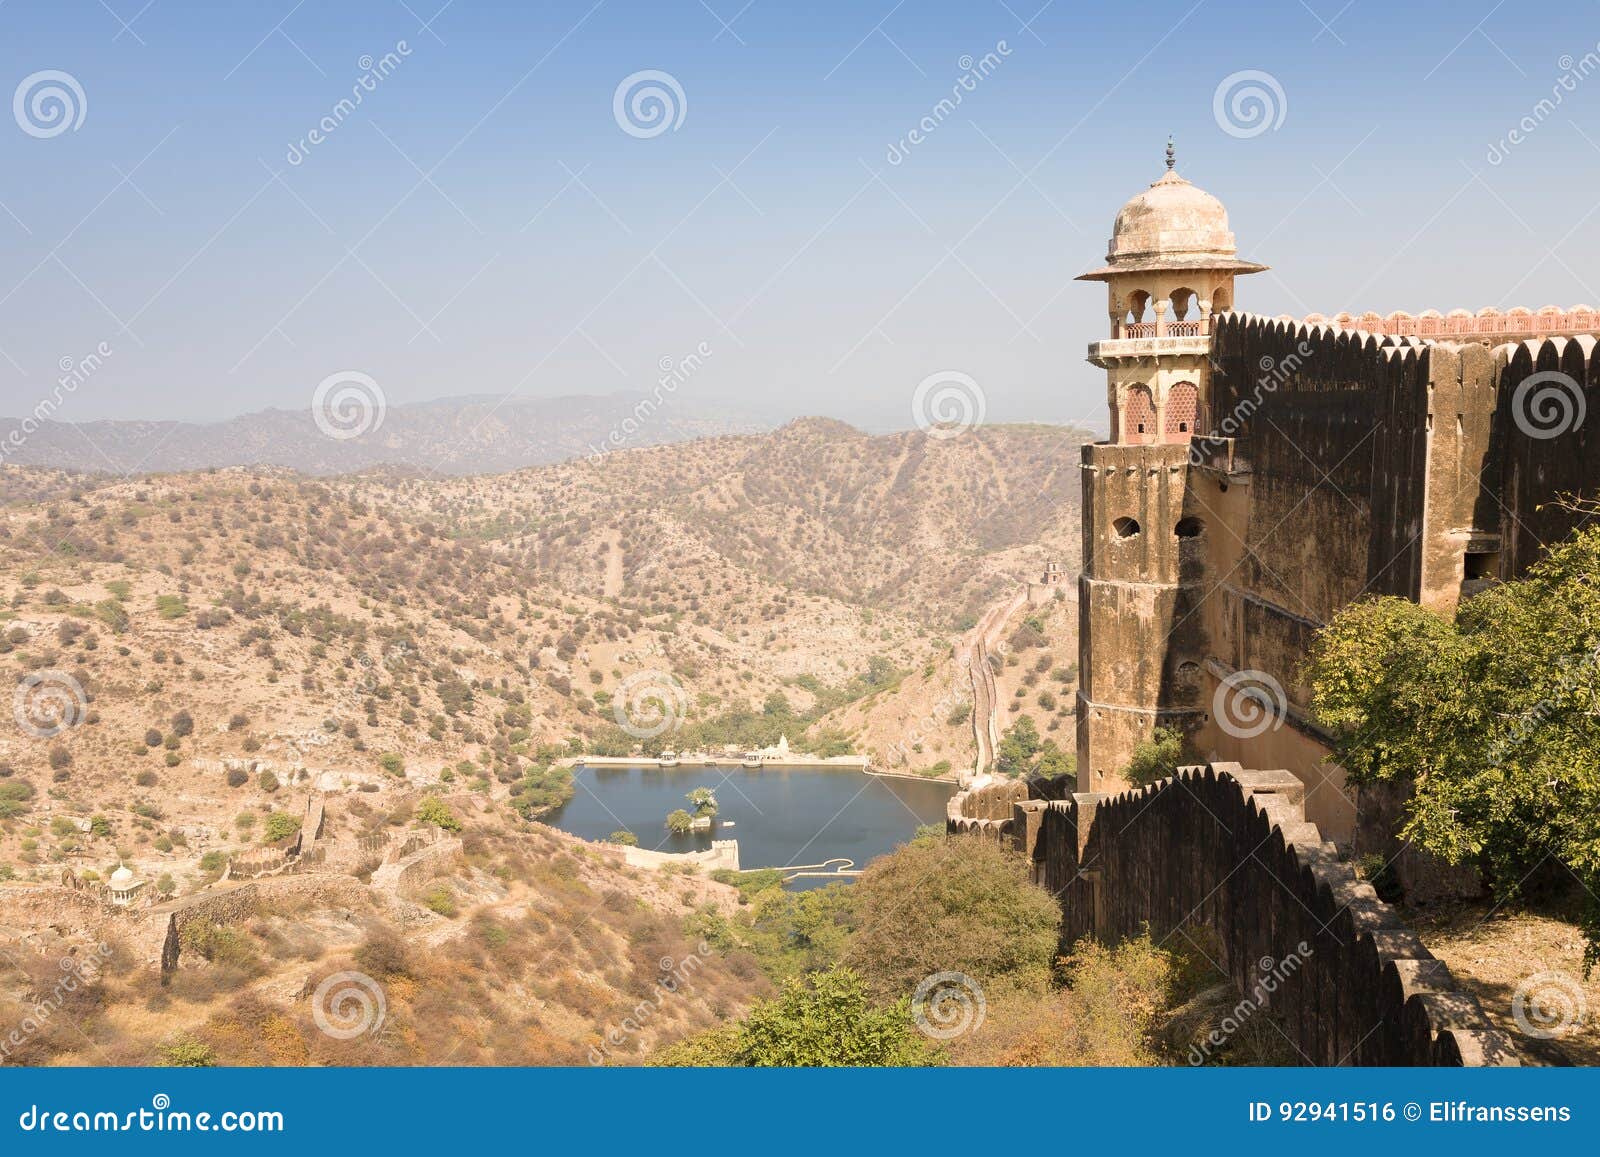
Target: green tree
624	838
279	826
826	1021
1018	746
539	790
1491	719
679	822
1155	758
433	810
704	800
971	910
185	1052
1055	763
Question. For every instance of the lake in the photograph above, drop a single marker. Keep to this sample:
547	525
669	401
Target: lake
780	816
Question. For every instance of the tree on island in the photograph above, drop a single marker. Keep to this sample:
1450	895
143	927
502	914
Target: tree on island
679	822
705	803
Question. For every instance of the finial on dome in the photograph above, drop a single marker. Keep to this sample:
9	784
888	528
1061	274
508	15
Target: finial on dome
1171	158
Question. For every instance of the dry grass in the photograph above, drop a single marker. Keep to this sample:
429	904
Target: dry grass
1494	952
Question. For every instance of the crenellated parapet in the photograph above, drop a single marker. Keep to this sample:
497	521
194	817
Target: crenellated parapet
1229	850
1520	416
1488	324
985	809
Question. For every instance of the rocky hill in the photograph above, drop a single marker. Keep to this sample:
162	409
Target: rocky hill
449	436
201	662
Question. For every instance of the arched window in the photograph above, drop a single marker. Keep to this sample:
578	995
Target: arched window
1183	301
1138	300
1134	314
1139	416
1189	527
1125	527
1183	410
1221	299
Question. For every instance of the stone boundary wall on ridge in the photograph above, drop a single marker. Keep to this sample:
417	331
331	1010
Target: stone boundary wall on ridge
236	905
1228	850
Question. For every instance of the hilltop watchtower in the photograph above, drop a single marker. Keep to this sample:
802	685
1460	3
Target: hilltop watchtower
1170	268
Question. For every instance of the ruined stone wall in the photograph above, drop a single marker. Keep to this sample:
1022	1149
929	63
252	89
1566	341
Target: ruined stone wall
235	905
1229	850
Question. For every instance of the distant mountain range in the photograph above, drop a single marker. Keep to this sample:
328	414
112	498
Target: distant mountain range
481	434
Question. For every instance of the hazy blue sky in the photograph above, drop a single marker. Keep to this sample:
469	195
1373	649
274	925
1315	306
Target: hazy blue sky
482	224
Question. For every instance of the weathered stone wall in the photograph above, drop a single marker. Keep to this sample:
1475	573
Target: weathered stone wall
1375	464
1545	457
1229	850
1140	638
235	905
985	810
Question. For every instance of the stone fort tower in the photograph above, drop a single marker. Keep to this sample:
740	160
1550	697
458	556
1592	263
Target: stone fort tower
1264	473
1171	266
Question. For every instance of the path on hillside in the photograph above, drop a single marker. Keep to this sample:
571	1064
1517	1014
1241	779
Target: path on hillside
982	645
614	575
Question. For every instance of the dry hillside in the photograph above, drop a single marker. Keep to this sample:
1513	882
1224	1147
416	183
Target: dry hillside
196	657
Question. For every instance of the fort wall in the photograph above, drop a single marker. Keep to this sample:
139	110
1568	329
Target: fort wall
1339	463
1229	850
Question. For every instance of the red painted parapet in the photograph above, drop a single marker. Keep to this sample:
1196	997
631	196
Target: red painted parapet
1511	325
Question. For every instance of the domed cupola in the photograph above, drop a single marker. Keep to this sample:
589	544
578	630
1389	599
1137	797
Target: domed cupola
1170	265
1171	225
